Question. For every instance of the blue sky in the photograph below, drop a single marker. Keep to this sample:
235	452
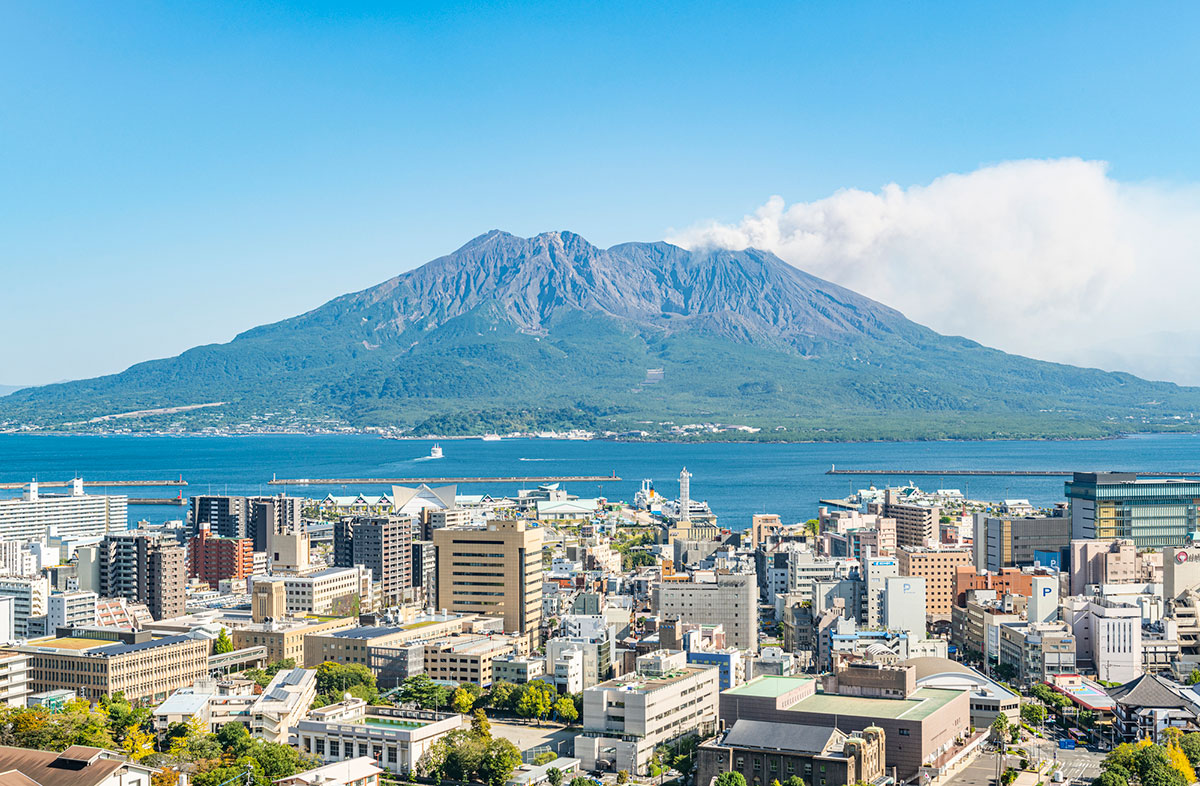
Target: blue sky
176	173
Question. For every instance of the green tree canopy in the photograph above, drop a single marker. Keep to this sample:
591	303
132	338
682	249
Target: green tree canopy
730	779
223	644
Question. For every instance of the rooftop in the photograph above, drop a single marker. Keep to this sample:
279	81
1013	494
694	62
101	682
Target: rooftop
769	687
919	706
639	682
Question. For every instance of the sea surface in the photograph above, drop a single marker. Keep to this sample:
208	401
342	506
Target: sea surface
736	479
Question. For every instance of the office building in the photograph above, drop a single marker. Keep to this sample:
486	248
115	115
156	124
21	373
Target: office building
626	718
284	638
29	600
1006	581
597	654
143	568
216	559
937	566
494	571
99	662
1108	637
29	518
14	679
381	544
1152	512
730	600
424	572
467	657
278	515
333	591
359	644
517	669
1001	543
1100	562
765	752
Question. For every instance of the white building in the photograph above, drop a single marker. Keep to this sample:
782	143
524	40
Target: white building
1108	636
396	739
19	558
73	515
14	679
625	719
29	600
904	605
70	608
318	593
566	667
353	772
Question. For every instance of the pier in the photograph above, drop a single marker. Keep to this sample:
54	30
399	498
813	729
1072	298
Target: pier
1001	473
417	481
62	484
157	501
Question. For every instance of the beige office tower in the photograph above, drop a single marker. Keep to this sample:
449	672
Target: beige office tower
268	601
494	571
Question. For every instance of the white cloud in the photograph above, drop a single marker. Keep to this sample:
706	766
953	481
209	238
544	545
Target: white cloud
1048	258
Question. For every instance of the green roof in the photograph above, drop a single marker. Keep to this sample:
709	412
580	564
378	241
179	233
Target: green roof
768	686
923	703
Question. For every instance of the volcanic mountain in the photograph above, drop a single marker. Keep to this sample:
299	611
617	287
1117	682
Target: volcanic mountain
548	332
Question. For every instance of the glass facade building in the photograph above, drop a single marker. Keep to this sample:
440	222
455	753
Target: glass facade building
1152	512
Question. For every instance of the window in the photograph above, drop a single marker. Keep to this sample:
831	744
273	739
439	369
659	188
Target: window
903	732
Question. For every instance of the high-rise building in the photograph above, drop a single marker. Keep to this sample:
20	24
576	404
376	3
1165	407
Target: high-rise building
145	568
1153	512
494	571
916	525
29	600
226	517
424	572
213	560
383	545
685	495
279	514
73	515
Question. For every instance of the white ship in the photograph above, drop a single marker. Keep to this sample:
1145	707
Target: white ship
490	437
435	451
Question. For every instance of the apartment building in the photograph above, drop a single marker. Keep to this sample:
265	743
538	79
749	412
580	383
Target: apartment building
1006	581
74	515
14	679
143	567
495	571
99	662
381	544
216	559
730	600
626	718
937	566
70	609
1101	562
29	600
916	525
246	517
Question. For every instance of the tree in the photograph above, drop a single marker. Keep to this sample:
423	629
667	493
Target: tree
462	701
1110	778
137	744
730	779
424	692
794	780
223	644
1000	726
536	701
480	725
1190	744
1033	714
581	781
500	759
1178	759
545	757
554	776
334	679
622	777
564	708
501	695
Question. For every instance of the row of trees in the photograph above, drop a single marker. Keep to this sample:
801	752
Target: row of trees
535	700
113	724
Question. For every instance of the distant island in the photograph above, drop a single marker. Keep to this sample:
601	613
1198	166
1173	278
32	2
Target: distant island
511	335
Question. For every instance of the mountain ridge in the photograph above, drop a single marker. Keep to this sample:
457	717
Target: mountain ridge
511	333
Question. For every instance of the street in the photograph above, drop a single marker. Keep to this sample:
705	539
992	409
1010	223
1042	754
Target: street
1079	766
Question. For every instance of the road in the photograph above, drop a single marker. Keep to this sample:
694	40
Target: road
1079	766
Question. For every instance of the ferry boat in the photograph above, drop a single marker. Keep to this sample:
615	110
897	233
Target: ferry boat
435	451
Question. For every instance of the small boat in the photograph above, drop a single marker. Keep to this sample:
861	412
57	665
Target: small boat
435	451
490	437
